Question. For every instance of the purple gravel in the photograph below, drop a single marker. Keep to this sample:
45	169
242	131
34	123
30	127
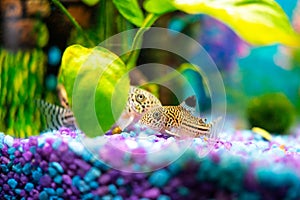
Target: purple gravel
240	167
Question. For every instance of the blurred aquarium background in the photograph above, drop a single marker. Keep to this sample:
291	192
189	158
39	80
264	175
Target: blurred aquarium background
262	82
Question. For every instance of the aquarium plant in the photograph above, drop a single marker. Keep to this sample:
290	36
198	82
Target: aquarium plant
22	64
273	112
244	17
58	164
257	22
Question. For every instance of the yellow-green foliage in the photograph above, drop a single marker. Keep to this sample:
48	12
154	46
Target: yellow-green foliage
273	112
21	83
260	22
92	76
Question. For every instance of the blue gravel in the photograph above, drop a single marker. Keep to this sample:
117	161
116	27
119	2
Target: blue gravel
42	168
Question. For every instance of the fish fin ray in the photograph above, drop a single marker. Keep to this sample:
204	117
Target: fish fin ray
189	104
172	133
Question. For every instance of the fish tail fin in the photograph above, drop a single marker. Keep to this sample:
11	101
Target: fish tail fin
56	116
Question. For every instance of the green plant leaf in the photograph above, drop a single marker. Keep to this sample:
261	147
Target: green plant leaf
260	22
159	6
92	77
90	2
131	59
131	10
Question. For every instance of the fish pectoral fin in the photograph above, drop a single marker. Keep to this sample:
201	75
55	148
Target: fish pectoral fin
172	133
62	95
125	120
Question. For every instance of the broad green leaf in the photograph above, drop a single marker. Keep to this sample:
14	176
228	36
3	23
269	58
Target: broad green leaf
131	10
159	6
260	22
72	59
92	76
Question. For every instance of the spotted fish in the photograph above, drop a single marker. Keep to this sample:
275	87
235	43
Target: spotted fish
139	101
178	121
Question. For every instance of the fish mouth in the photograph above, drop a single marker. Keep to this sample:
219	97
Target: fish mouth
155	128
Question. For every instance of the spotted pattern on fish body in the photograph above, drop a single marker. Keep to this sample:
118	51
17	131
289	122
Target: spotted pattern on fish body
177	121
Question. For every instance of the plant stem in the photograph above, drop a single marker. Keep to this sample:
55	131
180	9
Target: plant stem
182	68
72	20
137	41
172	75
102	21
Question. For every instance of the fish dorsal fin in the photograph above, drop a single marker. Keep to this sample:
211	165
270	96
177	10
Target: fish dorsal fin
56	116
189	104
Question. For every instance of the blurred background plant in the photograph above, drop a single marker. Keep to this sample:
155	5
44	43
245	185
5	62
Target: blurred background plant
274	112
23	37
35	34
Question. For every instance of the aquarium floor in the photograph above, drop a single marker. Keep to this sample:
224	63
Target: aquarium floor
65	165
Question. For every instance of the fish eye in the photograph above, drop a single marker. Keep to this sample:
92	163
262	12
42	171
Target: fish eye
156	115
140	97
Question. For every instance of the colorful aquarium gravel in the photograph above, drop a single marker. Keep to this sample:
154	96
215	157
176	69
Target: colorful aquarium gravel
56	165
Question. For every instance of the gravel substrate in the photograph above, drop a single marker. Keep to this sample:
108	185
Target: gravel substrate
240	165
